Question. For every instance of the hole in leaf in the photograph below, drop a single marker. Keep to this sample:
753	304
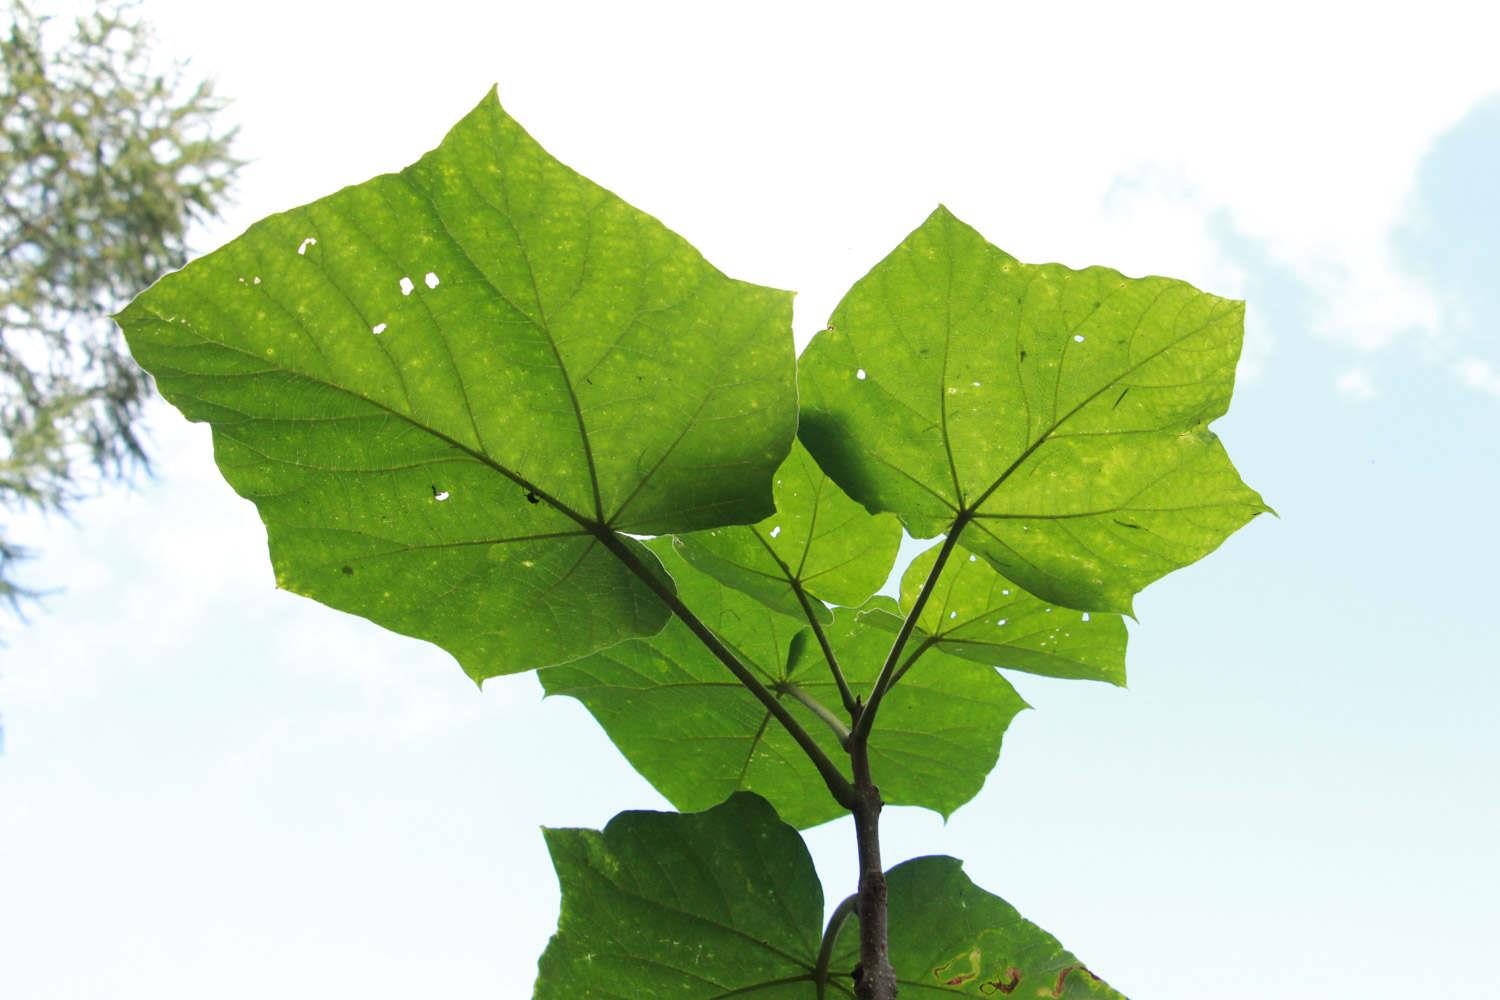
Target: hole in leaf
431	279
776	531
1002	621
440	495
1077	338
860	374
532	497
1085	616
952	614
406	285
378	329
309	242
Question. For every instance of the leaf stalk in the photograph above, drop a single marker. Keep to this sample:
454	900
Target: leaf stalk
889	670
842	791
819	709
841	914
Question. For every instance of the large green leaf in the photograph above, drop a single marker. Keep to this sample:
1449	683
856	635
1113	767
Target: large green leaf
978	614
443	386
697	735
1062	414
684	907
726	903
819	544
947	935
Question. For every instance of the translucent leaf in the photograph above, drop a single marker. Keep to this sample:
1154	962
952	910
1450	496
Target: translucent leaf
978	614
443	388
819	543
1060	415
697	735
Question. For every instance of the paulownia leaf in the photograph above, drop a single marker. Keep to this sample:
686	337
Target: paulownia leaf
978	614
687	907
726	903
697	735
1063	414
441	386
818	542
947	935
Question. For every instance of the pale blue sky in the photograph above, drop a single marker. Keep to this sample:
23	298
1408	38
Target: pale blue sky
212	788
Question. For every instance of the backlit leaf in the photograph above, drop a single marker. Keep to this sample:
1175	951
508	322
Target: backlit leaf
697	735
978	614
818	542
442	386
1064	412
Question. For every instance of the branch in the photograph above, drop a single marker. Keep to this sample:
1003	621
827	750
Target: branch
888	671
843	791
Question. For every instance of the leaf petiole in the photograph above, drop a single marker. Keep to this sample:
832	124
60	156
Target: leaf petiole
851	704
819	709
840	787
836	923
892	670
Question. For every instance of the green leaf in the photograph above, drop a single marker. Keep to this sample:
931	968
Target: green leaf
819	543
660	905
947	935
442	387
697	735
726	903
1059	416
978	614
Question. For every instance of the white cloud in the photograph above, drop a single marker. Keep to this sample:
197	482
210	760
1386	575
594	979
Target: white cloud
1478	374
1355	384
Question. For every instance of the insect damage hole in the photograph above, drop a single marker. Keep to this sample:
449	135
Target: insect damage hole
776	531
378	329
860	374
431	280
440	495
406	285
302	248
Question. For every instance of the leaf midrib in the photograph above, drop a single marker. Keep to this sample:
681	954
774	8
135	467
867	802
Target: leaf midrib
1046	435
479	456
